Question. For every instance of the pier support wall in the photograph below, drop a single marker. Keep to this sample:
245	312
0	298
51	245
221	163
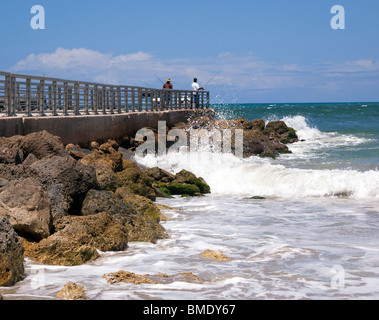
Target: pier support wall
83	129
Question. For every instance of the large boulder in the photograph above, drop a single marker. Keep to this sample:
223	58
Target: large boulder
60	203
10	151
140	204
76	152
11	253
106	177
136	180
144	226
107	161
104	201
258	139
158	174
280	131
42	144
77	239
183	183
13	172
257	143
137	214
108	153
15	150
278	127
187	177
258	124
27	207
73	178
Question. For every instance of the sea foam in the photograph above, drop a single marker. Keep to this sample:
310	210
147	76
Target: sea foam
254	176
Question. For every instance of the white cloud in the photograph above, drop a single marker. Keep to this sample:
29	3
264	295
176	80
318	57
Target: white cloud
237	70
234	71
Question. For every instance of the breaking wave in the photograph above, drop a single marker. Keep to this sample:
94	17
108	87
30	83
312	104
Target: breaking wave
229	175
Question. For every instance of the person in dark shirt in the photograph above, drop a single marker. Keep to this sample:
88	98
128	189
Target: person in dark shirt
167	96
168	84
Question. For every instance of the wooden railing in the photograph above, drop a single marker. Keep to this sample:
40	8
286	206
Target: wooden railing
24	95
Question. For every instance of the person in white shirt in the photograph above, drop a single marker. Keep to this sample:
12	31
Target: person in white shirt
196	87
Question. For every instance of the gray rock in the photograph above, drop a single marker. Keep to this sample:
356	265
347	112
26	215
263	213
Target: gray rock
42	144
59	203
104	201
3	184
13	172
11	253
10	151
27	207
74	178
29	160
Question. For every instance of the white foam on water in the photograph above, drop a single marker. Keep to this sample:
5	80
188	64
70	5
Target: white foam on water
229	175
287	246
315	142
278	249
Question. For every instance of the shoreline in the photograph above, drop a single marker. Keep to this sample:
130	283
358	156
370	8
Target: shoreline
85	200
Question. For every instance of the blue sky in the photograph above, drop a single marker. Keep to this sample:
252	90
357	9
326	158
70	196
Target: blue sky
261	51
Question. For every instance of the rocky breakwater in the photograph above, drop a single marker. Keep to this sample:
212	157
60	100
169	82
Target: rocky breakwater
259	138
62	205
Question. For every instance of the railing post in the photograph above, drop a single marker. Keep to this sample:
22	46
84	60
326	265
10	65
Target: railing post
113	100
7	90
50	97
139	99
103	98
108	97
91	100
154	101
99	99
179	100
126	99
86	91
118	98
96	99
77	99
59	104
186	100
161	100
147	92
65	99
54	102
13	95
70	98
133	100
9	83
41	97
174	100
28	101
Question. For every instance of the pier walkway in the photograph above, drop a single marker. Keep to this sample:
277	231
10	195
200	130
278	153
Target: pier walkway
41	96
80	112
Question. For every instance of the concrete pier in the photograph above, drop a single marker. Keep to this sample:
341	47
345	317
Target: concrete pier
84	129
82	112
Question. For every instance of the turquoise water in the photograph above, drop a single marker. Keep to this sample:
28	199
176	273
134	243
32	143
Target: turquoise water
349	132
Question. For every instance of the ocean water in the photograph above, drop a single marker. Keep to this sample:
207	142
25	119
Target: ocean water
313	236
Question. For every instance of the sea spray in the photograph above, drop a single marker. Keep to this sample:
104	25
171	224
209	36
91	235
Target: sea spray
229	175
289	176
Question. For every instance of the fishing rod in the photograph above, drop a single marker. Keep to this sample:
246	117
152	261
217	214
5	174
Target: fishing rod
158	78
212	78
